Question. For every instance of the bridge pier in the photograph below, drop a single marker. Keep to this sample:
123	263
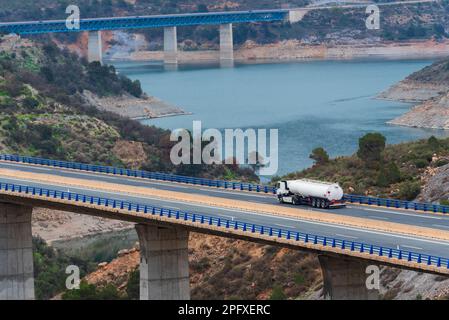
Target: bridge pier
16	253
170	45
226	43
345	279
164	263
95	47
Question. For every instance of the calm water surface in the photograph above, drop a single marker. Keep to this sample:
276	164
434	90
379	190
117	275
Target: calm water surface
321	103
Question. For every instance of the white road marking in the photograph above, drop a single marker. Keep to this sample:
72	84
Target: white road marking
284	226
176	208
440	226
230	192
224	215
16	165
376	217
411	247
420	215
345	236
157	183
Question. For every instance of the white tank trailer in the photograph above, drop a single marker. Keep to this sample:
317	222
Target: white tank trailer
314	193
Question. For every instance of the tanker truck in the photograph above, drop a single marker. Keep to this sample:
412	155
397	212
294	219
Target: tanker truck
314	193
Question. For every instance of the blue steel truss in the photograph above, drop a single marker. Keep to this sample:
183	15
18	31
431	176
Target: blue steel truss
140	22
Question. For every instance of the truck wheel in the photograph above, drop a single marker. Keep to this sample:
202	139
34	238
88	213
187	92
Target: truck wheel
281	200
314	202
323	204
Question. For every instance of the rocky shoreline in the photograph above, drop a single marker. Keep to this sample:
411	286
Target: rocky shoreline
147	107
412	91
431	109
291	50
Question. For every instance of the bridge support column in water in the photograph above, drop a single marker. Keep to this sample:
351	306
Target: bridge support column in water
226	43
16	253
170	45
345	279
164	263
95	47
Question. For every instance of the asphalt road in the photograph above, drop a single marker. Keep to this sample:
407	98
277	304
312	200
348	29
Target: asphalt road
386	239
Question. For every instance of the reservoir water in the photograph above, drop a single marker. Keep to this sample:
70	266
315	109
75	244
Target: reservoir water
327	104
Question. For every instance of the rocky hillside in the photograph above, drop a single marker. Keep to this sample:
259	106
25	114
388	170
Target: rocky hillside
222	268
44	112
430	88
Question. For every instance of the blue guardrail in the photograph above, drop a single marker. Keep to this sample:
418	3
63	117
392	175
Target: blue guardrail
359	199
140	174
200	219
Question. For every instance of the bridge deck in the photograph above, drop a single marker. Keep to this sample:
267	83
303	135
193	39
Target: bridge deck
138	22
235	206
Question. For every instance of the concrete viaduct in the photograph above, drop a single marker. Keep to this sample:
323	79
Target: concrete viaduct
170	23
346	240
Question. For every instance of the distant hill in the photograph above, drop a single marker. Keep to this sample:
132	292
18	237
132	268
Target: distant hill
437	73
333	26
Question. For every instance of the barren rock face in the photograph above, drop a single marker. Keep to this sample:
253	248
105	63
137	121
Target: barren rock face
437	187
413	91
433	113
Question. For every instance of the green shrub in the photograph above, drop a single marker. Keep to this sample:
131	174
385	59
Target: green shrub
388	175
49	269
421	163
409	190
433	143
91	292
319	155
133	285
30	103
371	146
278	294
393	173
299	279
441	162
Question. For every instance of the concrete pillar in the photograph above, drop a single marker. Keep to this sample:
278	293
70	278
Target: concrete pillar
164	263
226	42
95	47
16	253
345	279
170	45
